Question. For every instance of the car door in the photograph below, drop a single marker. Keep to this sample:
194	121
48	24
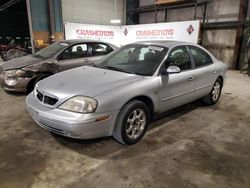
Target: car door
74	56
179	88
204	71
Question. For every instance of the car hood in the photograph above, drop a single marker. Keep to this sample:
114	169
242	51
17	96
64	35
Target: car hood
86	81
20	62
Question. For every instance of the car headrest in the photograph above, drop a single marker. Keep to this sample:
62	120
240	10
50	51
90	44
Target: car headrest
79	48
149	56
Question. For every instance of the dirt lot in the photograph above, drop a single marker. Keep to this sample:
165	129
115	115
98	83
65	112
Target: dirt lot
194	146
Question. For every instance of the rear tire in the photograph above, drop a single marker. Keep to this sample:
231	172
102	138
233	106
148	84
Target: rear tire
214	95
132	123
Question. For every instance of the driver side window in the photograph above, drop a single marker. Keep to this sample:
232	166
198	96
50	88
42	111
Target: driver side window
75	51
179	57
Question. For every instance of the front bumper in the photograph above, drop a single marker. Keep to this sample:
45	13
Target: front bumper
70	124
20	86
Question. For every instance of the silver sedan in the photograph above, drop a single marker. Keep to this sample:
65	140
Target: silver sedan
120	95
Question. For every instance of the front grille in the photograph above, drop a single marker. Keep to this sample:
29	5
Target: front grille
46	99
50	100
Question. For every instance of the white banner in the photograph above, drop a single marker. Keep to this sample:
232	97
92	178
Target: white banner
104	33
187	31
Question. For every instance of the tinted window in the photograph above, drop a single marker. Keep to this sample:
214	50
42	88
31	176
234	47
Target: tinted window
201	58
76	51
179	57
100	49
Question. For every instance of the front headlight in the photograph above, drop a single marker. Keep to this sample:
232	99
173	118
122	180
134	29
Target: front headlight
9	73
20	73
14	73
80	104
11	81
10	77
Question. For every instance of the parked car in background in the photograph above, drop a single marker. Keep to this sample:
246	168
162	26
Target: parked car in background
23	73
121	94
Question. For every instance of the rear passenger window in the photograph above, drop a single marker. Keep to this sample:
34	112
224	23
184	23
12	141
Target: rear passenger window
201	58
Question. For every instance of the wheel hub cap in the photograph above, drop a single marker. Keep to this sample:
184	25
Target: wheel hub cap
135	123
216	91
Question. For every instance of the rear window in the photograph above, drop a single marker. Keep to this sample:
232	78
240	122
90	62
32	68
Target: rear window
201	58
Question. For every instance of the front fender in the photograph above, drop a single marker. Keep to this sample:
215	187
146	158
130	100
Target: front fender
116	98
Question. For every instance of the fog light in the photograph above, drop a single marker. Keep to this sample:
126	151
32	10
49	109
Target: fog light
73	134
11	81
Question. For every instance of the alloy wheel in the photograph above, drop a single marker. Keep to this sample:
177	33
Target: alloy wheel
135	123
216	91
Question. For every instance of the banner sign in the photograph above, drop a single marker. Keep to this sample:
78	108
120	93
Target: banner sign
93	32
187	31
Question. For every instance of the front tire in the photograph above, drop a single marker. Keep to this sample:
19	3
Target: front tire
33	82
214	95
132	123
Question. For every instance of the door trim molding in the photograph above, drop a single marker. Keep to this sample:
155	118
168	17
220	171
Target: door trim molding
202	87
178	95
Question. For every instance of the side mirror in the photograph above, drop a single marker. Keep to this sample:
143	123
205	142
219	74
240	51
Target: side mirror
173	70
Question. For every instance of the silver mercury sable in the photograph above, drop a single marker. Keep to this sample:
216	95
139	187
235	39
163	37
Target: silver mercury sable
123	92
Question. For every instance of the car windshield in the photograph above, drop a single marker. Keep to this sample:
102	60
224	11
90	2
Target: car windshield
51	50
135	59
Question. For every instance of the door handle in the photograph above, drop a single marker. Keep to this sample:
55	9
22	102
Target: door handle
86	59
190	78
214	72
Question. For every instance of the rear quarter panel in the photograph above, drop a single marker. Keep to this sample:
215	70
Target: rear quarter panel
221	69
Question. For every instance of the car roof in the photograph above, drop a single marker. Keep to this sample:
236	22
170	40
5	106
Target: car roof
164	43
73	41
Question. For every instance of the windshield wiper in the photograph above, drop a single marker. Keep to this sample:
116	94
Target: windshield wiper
118	69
